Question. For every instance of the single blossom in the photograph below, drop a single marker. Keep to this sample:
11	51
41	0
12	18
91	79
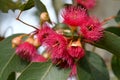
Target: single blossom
26	51
65	61
56	44
92	29
89	4
75	50
73	15
44	33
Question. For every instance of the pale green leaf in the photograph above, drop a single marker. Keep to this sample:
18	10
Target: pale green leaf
44	71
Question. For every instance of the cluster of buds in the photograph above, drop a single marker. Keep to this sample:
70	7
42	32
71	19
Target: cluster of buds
27	48
63	51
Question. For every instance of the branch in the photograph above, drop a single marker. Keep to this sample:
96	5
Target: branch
18	18
107	19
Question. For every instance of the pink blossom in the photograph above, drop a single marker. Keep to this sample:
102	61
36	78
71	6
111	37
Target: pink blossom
87	3
38	58
44	33
26	51
57	43
73	15
64	62
76	52
57	46
92	29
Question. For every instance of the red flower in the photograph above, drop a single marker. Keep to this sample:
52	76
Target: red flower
65	61
75	50
92	29
26	51
44	33
57	45
73	15
87	3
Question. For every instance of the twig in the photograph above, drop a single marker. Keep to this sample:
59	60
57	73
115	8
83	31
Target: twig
107	19
18	18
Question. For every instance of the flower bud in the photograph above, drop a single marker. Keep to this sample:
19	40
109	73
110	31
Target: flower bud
30	40
44	17
75	50
16	41
36	43
46	55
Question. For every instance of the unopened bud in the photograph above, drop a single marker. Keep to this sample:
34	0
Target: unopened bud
36	43
44	17
46	55
16	41
30	40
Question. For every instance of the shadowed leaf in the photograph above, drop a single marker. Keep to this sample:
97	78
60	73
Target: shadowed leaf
110	42
5	5
29	4
92	67
115	63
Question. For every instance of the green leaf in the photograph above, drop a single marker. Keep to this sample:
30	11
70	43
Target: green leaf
61	26
115	63
29	4
44	71
40	6
117	19
5	5
110	42
9	61
12	76
92	67
114	29
57	7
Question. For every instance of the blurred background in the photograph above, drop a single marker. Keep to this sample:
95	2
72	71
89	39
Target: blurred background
9	25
